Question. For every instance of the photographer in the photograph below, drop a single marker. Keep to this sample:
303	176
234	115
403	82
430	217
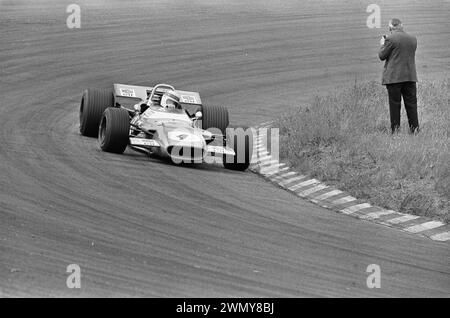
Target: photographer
399	74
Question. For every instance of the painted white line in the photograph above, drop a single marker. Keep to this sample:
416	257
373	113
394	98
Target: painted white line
263	153
269	168
263	158
328	195
269	165
266	157
424	226
272	162
290	180
376	215
312	190
344	200
267	174
355	208
304	184
256	155
267	161
284	175
445	236
277	170
403	218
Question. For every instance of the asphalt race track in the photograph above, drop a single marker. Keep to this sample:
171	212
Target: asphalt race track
141	227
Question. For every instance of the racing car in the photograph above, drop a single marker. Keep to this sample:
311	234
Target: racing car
165	122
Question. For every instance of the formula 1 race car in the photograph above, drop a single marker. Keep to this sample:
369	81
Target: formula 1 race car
165	122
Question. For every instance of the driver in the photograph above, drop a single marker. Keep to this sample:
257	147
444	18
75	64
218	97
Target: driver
170	100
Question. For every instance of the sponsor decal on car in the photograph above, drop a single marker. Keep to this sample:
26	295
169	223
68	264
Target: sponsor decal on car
127	92
144	142
190	99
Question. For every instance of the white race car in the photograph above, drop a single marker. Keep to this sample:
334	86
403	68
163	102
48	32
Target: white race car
166	122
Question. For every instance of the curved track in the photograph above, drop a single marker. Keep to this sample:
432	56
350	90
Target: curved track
142	227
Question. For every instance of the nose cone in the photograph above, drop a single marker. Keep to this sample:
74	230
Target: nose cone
186	145
185	137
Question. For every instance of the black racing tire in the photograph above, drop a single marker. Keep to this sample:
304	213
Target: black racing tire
215	117
93	104
241	141
114	130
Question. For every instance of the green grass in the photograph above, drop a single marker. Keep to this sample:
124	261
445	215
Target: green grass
344	139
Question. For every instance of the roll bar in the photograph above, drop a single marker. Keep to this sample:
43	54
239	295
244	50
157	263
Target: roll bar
167	86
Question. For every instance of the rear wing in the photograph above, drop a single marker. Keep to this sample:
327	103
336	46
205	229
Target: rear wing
136	93
141	93
192	98
129	95
190	101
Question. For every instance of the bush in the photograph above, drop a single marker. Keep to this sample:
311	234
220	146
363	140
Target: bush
344	139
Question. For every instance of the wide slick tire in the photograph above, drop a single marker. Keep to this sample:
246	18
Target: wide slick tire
93	104
240	139
215	117
114	130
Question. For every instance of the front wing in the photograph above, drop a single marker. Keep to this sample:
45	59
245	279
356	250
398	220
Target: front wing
151	143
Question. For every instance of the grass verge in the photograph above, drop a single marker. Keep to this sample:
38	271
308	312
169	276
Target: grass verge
344	139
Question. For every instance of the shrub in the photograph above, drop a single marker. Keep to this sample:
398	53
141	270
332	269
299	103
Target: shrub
344	139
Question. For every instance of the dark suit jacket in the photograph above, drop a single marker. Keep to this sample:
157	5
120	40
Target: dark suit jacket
399	52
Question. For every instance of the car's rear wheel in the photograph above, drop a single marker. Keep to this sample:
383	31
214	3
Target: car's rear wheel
215	117
241	141
114	130
93	104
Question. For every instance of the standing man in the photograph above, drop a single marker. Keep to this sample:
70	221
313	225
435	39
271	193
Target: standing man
399	74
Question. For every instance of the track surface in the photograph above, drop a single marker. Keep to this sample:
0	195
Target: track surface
141	227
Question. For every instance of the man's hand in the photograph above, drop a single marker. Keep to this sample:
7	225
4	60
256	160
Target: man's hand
382	40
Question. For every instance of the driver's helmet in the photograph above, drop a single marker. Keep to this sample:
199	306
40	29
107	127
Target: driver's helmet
170	100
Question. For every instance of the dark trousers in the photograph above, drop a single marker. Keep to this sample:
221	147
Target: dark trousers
409	92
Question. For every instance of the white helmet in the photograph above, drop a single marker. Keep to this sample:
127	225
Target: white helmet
170	99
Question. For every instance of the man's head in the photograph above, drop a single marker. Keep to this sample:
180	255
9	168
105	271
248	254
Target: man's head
170	100
395	24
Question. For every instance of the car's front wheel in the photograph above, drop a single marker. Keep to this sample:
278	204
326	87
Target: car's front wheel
114	130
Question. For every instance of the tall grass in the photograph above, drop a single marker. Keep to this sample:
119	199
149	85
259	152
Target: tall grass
344	139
